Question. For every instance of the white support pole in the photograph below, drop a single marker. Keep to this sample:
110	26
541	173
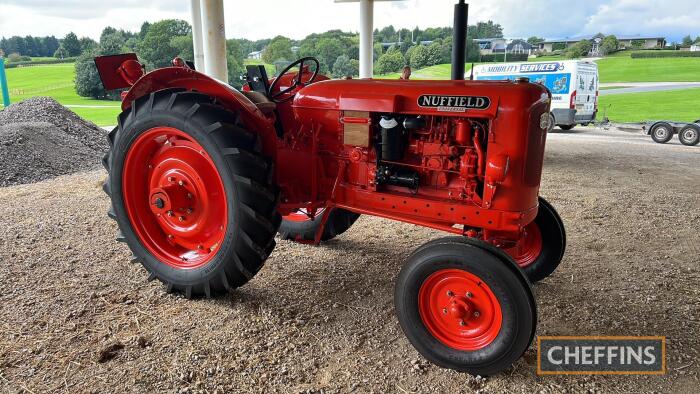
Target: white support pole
366	40
196	11
214	39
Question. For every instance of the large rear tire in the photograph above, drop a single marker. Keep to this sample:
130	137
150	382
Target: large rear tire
299	226
465	305
191	193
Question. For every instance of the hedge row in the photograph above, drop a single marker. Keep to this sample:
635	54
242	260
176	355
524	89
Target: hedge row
42	61
658	54
498	57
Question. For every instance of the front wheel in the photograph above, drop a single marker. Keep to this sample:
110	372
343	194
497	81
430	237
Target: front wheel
689	135
566	127
300	226
542	244
465	305
191	193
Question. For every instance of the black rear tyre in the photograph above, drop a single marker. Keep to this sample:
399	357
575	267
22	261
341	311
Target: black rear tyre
250	196
689	135
488	286
661	132
298	227
566	127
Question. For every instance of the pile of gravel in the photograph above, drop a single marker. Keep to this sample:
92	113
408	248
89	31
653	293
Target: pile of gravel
34	151
46	109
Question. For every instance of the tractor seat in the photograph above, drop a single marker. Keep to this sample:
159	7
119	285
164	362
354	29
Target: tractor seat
261	101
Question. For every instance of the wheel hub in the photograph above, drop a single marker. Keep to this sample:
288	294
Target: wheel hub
528	247
174	197
459	309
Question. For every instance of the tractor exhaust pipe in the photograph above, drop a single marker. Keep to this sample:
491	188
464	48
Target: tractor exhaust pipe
459	40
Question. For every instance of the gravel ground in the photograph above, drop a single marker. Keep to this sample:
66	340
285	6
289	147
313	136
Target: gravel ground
76	316
46	109
30	152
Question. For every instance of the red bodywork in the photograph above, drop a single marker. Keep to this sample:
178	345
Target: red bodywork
479	169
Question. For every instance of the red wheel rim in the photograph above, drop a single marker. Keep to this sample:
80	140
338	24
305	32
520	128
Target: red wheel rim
302	215
529	246
459	309
174	198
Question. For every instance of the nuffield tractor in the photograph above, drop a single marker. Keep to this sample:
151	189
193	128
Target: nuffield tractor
202	177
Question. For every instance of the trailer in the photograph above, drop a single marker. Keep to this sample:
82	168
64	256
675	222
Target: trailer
662	131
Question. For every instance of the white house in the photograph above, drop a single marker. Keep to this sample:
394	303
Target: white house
255	55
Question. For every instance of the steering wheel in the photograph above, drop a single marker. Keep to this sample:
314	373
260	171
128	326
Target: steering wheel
279	97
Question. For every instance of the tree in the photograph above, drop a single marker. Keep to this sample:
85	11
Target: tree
609	45
390	62
60	53
419	57
344	66
328	50
51	44
488	29
71	44
184	47
156	48
534	40
280	48
111	43
87	44
87	79
580	49
687	41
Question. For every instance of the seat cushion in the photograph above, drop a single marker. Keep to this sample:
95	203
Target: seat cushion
263	103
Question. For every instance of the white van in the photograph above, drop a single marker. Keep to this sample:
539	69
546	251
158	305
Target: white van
573	84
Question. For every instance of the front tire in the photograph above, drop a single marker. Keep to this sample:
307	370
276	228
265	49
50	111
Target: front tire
566	127
689	135
191	193
661	132
541	248
464	305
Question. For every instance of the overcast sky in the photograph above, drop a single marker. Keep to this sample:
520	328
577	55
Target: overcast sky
296	18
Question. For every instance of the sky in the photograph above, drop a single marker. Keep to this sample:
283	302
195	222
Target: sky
258	19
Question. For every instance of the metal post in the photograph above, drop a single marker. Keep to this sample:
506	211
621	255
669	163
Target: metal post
459	41
366	40
3	84
196	11
214	39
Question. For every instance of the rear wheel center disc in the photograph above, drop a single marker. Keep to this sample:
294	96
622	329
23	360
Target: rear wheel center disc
174	197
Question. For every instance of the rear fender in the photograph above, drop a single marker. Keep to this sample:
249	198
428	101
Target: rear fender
226	96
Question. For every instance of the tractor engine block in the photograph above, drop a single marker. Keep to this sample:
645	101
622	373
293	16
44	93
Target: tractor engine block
437	156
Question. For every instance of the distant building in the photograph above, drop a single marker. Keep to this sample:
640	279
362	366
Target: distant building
695	47
255	55
489	46
626	42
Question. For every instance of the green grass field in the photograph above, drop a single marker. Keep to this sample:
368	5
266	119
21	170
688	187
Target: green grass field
678	105
56	80
626	69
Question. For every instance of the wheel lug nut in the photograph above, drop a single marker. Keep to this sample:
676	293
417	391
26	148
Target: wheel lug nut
469	294
181	183
171	179
462	323
200	247
477	314
170	236
189	196
189	210
181	218
450	293
170	213
444	310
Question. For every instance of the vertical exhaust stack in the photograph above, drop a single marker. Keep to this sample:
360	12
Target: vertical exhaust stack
459	40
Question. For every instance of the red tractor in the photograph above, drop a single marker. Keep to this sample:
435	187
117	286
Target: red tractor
202	177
